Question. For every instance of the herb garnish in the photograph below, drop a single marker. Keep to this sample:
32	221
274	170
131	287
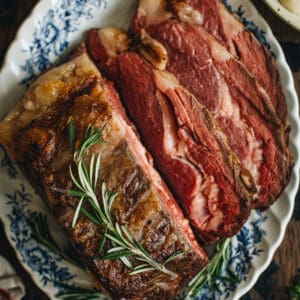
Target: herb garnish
212	271
294	289
123	244
70	292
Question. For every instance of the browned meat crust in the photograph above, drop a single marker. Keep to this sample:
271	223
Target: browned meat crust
143	205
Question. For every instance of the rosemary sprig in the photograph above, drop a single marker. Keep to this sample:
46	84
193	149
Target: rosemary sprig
77	293
123	244
212	272
294	289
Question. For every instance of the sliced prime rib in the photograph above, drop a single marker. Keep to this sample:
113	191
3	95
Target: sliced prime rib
75	90
215	18
185	141
241	107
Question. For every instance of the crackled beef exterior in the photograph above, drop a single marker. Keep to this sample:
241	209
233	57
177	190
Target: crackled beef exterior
215	18
240	105
76	91
188	146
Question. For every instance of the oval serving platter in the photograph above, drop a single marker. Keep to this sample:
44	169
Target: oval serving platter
44	39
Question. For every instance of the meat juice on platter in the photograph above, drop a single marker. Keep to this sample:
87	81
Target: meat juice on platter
214	123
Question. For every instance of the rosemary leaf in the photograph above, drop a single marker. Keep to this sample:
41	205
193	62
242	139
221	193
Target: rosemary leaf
77	211
127	234
294	289
97	170
140	267
126	262
74	180
227	278
102	241
105	202
90	216
142	270
69	292
116	255
72	135
78	296
85	135
139	246
116	249
233	277
75	193
143	259
173	256
91	136
126	242
98	212
82	174
210	273
124	245
91	174
115	239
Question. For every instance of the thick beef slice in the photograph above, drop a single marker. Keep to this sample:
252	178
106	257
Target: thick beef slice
247	103
236	101
214	17
244	45
187	144
75	91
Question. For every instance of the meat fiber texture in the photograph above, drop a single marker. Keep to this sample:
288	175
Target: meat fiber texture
214	18
234	76
188	146
174	78
76	91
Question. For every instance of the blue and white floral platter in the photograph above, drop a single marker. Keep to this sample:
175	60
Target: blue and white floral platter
45	38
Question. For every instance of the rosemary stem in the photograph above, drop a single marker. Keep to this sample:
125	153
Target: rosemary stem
156	265
207	274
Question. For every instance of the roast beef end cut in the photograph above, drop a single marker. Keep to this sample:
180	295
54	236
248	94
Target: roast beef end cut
241	103
40	122
227	29
189	148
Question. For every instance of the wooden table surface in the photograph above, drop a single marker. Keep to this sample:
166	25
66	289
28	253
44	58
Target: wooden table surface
274	282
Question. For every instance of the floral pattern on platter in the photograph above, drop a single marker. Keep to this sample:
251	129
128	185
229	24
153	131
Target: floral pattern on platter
52	32
245	247
40	259
249	24
45	261
8	165
50	40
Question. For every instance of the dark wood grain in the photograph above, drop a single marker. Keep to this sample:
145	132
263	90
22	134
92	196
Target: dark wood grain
273	283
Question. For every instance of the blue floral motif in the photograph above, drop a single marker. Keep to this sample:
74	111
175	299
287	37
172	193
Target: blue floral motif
39	258
50	38
249	24
5	162
244	249
43	261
